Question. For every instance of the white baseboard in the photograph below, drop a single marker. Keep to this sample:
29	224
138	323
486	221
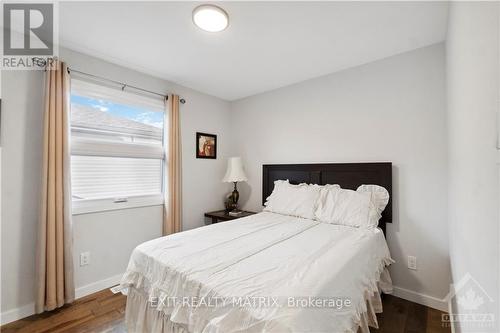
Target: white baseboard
17	313
29	309
430	301
97	286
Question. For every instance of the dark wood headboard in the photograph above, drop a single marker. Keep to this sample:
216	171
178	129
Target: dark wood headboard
347	175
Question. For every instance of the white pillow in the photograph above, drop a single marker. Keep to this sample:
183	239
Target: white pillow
345	207
323	192
379	198
295	200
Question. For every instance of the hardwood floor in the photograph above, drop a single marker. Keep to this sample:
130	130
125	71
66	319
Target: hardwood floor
99	312
402	316
104	312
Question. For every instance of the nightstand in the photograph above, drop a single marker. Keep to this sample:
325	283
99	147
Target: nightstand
221	215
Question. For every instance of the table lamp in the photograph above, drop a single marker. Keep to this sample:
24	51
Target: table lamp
234	174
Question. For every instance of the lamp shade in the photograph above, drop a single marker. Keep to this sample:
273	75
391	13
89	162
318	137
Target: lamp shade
235	172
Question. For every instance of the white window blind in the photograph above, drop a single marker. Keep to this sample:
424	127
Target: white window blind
96	177
117	148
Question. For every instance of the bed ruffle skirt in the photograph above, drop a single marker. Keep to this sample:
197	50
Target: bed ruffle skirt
141	317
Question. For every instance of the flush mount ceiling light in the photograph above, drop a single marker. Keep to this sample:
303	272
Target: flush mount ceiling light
210	18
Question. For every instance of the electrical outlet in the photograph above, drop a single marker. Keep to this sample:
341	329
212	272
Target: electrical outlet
412	262
84	258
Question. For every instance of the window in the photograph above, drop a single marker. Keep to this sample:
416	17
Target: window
117	150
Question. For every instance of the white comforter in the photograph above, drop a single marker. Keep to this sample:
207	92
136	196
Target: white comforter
267	255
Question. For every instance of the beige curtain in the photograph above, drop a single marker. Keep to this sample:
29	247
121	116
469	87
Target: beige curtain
55	285
172	207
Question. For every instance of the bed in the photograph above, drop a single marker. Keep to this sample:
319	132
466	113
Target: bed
267	272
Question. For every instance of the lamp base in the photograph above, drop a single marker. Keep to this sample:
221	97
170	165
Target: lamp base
235	212
233	198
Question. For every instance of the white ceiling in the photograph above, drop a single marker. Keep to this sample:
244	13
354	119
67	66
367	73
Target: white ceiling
267	44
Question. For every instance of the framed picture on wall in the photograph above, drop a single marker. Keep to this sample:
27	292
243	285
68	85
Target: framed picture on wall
206	145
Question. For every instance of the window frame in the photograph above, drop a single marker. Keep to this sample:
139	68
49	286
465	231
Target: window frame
87	206
81	146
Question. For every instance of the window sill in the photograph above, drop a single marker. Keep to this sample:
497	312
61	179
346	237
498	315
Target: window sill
102	205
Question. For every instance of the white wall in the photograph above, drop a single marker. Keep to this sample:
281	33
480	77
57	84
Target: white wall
109	236
390	110
21	134
473	101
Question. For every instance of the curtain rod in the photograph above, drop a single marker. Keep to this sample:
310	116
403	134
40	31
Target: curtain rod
124	85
